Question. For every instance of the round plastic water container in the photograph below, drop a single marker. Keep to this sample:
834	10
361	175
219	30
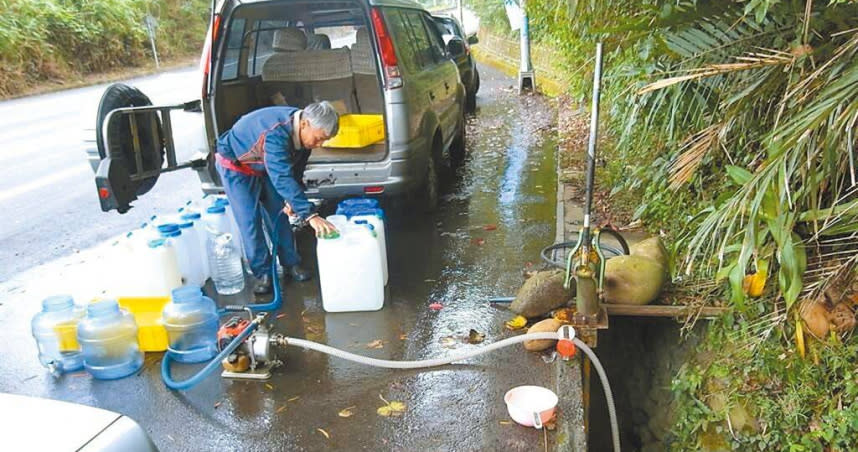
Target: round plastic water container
191	321
108	338
350	270
55	331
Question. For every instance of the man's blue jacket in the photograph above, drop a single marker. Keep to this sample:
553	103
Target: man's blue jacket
262	141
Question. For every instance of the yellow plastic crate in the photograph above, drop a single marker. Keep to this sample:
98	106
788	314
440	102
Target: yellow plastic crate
151	335
357	131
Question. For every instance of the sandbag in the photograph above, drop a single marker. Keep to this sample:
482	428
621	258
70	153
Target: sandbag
541	293
633	280
652	248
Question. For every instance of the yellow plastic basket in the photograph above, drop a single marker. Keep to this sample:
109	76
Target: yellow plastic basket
151	335
358	131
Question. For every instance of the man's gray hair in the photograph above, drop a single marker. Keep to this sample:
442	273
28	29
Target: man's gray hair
322	115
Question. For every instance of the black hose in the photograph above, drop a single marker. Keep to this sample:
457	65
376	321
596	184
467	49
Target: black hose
548	253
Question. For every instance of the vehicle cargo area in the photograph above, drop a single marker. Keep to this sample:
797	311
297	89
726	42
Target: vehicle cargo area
312	51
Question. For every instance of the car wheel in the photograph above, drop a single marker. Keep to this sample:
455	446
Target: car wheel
431	185
471	101
457	147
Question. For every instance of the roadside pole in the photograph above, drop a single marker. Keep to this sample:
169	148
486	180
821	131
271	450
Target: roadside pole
151	23
526	79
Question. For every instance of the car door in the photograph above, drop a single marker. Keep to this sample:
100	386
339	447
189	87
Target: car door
446	71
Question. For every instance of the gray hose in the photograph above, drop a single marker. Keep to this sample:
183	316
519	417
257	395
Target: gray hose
390	364
609	397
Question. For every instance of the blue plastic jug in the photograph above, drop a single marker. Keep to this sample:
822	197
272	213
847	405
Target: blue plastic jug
108	338
55	331
357	203
191	322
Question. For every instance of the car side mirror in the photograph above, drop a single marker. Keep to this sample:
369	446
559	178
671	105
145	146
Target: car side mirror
455	47
473	39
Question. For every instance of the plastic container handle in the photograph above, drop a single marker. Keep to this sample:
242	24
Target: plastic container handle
537	421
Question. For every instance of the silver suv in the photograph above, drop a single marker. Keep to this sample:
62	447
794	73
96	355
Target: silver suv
381	57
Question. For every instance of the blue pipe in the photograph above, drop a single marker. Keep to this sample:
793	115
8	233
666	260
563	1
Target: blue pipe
209	368
273	305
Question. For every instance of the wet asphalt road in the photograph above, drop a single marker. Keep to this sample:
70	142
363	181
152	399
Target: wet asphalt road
46	184
497	212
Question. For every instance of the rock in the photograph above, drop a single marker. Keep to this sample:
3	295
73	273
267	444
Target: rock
652	248
541	293
842	318
633	280
544	326
815	317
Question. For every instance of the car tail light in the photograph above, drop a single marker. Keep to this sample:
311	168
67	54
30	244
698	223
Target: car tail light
392	76
206	58
374	190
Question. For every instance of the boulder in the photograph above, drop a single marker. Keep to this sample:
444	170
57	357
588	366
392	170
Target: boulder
540	294
544	326
633	280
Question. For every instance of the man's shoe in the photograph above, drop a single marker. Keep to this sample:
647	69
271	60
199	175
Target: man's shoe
298	273
263	285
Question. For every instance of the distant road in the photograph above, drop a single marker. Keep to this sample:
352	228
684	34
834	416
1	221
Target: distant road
47	193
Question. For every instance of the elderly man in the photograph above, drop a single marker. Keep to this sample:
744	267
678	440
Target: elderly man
257	161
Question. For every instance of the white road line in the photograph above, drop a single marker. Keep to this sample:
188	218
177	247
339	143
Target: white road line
45	181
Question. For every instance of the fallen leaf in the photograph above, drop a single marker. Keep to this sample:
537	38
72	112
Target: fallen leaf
397	406
478	241
504	422
403	337
280	316
294	398
322	431
517	323
346	412
280	410
378	343
475	337
436	306
448	342
384	411
269	386
217	404
490	227
394	408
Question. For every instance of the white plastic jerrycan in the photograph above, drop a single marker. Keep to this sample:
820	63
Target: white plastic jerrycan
350	269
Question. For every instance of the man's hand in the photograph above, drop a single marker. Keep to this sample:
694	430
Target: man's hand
321	226
287	209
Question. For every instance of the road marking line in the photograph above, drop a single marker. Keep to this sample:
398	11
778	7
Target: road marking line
44	181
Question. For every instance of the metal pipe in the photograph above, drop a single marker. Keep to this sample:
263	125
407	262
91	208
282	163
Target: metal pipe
591	147
525	40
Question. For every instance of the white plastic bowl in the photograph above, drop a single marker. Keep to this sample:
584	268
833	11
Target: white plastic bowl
524	403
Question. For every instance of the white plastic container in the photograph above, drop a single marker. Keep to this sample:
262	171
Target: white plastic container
378	226
201	235
159	270
350	269
187	252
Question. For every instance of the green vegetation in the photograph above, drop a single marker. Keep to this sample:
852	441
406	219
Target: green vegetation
729	125
59	39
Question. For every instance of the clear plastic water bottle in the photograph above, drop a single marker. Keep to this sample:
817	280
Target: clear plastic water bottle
55	331
191	322
108	339
224	253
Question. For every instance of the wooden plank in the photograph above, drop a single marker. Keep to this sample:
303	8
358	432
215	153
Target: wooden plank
707	312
